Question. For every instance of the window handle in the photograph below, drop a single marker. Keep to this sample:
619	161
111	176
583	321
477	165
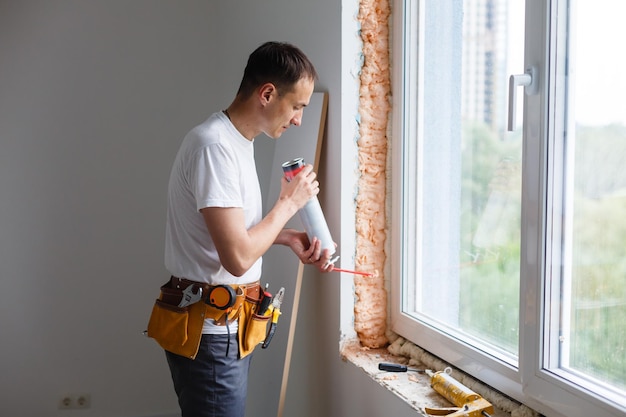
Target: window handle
529	81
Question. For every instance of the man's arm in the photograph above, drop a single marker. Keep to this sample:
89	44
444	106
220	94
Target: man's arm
238	247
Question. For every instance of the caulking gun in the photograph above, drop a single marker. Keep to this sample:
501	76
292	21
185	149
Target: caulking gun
468	403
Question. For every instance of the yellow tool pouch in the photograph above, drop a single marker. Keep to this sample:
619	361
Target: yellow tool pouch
179	329
176	329
252	327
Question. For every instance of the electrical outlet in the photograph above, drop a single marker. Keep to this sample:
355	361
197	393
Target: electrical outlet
65	402
75	402
83	401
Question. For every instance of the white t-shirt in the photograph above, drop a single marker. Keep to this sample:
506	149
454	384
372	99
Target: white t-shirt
214	167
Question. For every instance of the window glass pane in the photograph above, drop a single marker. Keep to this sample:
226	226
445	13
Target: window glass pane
594	289
469	171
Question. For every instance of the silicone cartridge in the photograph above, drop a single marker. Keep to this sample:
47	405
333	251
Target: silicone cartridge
311	215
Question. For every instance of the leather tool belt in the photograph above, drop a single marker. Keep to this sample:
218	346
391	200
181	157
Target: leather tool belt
179	329
171	293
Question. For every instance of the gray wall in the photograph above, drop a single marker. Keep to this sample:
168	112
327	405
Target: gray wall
95	97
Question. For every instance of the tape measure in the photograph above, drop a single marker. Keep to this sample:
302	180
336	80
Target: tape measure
221	297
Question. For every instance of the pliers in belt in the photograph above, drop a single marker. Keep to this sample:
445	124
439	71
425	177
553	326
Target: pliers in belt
274	310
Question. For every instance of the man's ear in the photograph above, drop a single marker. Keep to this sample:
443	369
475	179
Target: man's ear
267	93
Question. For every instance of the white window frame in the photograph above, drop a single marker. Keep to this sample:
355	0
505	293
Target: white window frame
531	381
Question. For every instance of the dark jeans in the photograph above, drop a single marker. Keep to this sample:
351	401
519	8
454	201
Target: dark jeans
213	384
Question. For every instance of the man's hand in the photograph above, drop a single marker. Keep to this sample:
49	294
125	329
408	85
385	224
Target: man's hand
309	253
301	188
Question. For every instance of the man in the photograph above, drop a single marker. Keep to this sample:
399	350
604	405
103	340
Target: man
215	232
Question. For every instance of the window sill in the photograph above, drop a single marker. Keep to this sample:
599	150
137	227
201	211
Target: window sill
414	388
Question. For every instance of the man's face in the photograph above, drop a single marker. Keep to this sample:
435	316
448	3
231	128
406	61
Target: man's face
286	109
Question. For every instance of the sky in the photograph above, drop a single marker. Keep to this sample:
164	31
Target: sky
600	62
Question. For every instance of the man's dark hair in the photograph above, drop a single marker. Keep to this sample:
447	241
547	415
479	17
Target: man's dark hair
279	63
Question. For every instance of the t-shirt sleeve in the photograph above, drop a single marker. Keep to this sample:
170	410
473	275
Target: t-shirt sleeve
215	177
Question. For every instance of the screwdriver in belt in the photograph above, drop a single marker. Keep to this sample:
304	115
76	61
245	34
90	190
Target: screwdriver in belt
266	299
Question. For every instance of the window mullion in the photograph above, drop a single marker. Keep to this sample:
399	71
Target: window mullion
532	249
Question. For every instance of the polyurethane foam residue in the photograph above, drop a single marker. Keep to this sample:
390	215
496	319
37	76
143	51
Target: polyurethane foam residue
370	309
